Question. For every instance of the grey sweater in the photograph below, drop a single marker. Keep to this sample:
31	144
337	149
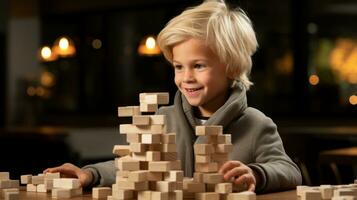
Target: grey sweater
255	138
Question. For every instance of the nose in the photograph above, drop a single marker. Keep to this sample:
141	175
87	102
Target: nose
188	75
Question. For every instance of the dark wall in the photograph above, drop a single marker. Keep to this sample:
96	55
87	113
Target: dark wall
2	63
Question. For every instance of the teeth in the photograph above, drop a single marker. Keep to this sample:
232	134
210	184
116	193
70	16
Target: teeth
191	90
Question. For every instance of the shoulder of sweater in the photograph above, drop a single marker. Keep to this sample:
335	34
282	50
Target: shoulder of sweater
255	115
165	110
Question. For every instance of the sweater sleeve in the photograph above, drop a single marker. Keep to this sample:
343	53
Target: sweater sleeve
276	169
104	173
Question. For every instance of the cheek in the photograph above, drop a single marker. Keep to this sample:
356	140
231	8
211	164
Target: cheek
177	80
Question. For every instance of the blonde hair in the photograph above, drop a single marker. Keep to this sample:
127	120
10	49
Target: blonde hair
229	34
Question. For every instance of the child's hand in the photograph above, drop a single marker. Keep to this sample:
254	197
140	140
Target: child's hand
239	173
69	170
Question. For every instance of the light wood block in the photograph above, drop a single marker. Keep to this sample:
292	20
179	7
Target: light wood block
202	158
160	166
176	195
161	98
168	138
138	147
153	155
141	120
4	184
157	195
175	165
144	195
66	183
154	176
223	148
31	188
59	193
144	107
207	196
138	176
8	190
128	111
168	148
158	119
139	156
128	185
150	129
42	188
203	149
344	198
206	167
4	176
169	156
165	186
223	188
247	195
121	194
150	139
133	138
326	191
198	177
38	180
127	165
123	174
213	178
209	130
174	175
344	192
12	195
101	192
48	184
191	186
300	189
52	175
224	139
219	157
311	195
121	150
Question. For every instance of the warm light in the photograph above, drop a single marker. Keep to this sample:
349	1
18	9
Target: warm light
46	54
31	91
148	47
64	47
40	91
353	100
343	60
47	79
314	79
96	43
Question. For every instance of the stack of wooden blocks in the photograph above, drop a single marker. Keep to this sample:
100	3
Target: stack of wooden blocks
51	182
333	192
210	154
148	167
9	189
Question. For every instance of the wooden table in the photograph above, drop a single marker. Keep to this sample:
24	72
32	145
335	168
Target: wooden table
287	195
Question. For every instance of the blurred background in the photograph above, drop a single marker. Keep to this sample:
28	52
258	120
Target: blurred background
65	67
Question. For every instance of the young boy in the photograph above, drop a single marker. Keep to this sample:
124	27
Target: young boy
210	48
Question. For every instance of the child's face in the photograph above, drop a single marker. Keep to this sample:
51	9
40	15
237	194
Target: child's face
200	76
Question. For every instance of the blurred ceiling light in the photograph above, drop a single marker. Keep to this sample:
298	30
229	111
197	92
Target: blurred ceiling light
353	100
343	60
31	91
64	47
314	79
46	54
47	79
148	47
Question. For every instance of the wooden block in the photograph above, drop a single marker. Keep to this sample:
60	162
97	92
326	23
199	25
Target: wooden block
223	148
165	186
326	191
210	187
209	130
144	165
154	176
4	184
128	185
121	150
247	195
12	195
52	175
59	193
213	178
123	174
168	138
101	192
207	139
168	148
160	98
344	192
133	138
144	195
202	158
150	129
4	176
157	195
191	186
153	155
42	188
38	180
175	165
198	177
155	147
311	195
176	195
168	156
219	157
174	175
31	188
300	189
150	139
179	185
141	120
138	147
158	119
203	149
139	156
207	196
144	107
121	194
160	166
223	188
3	192
127	165
128	111
138	176
48	184
66	183
206	167
224	139
344	198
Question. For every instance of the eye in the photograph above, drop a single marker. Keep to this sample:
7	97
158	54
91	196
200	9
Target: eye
177	67
199	66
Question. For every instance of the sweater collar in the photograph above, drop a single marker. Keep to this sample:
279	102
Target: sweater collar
233	108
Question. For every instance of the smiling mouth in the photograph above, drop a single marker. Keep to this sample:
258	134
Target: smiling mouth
192	89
